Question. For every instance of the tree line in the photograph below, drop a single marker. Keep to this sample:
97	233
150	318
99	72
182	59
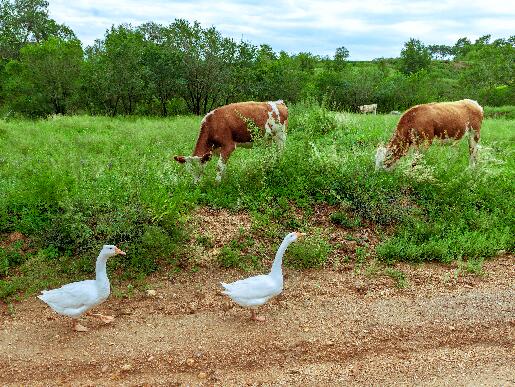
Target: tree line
181	68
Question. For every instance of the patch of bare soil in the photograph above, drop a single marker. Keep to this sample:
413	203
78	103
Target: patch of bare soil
7	241
329	327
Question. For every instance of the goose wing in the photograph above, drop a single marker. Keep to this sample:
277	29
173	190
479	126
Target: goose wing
260	286
71	296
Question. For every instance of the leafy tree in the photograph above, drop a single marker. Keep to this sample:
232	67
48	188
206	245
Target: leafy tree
294	73
440	51
162	73
281	76
362	85
461	48
114	74
163	69
97	94
266	53
350	88
26	21
414	57
207	58
123	50
242	81
483	40
489	72
156	69
45	78
153	32
393	92
340	57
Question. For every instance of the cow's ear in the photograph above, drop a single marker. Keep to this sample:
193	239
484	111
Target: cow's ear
180	159
206	157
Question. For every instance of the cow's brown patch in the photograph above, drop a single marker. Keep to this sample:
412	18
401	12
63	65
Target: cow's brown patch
421	124
225	127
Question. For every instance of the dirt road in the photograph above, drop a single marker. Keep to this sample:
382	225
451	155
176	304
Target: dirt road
328	328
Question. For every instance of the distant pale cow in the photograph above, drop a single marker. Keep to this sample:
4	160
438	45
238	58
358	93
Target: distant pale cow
422	124
368	108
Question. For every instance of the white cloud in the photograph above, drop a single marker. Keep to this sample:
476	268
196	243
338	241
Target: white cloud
368	28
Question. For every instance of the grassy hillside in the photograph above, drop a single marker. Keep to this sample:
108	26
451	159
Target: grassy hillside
71	184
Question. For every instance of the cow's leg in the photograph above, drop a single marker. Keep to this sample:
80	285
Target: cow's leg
473	140
220	169
279	135
418	154
195	167
225	152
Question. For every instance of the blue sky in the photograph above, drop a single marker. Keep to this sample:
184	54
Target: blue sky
369	29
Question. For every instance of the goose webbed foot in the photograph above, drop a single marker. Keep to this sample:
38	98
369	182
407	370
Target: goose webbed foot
256	317
105	319
78	327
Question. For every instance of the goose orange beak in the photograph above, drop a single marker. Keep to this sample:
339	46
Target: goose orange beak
118	251
300	234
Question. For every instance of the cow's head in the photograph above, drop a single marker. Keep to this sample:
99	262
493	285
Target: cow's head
194	164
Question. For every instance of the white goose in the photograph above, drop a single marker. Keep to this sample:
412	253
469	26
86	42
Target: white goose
255	291
74	299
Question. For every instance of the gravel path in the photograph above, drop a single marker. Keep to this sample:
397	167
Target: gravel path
327	328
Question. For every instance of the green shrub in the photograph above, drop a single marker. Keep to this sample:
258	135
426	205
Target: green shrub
4	263
311	118
342	219
11	257
475	266
236	255
309	253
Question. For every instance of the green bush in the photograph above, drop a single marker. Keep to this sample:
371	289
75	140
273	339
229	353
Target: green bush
342	219
310	253
237	254
11	257
310	117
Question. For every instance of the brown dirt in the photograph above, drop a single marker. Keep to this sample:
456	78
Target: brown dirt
7	241
335	326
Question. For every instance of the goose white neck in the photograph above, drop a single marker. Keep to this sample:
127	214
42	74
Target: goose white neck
277	269
100	269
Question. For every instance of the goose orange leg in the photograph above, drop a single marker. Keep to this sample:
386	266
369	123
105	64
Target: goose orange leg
78	327
255	317
105	319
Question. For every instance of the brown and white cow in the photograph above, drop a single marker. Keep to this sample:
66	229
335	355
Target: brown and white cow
229	126
368	108
421	124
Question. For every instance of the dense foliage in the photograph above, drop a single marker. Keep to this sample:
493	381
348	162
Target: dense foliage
166	70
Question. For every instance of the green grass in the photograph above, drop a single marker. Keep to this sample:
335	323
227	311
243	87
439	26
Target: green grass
507	112
72	184
398	276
